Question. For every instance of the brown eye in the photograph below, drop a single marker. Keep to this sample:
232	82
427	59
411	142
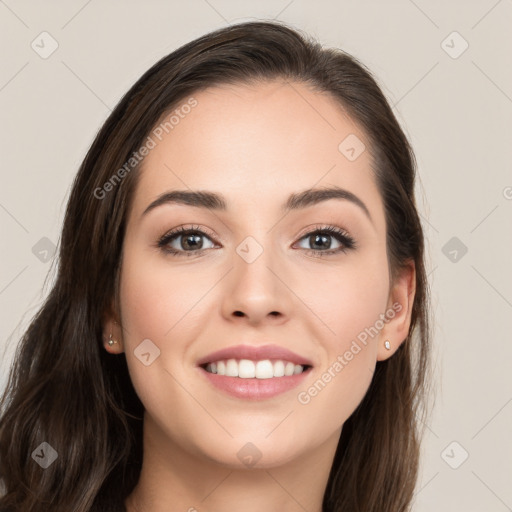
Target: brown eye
185	241
321	241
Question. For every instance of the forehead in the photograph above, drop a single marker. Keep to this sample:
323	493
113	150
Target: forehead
250	142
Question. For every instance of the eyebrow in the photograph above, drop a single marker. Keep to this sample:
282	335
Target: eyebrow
296	201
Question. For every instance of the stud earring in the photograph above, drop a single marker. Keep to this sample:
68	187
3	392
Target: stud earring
387	345
110	340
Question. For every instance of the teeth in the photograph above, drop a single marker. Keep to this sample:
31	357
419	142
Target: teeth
289	369
264	369
247	369
231	368
279	369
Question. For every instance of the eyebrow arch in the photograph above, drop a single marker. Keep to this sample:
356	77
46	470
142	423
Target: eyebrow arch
296	201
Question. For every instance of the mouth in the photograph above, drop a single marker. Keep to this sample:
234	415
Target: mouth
254	372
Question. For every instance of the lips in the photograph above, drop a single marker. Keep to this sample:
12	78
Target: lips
271	352
235	381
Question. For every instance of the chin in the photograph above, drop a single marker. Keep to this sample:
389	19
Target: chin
253	453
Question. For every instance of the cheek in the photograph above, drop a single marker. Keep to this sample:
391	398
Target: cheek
168	302
347	299
156	303
156	296
350	305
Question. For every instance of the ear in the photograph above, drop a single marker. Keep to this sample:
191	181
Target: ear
399	311
112	326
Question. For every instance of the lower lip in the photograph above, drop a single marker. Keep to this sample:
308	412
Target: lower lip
254	389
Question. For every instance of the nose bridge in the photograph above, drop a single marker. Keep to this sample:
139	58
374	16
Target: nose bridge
255	289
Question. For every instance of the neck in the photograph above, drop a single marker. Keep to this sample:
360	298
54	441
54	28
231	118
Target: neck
173	479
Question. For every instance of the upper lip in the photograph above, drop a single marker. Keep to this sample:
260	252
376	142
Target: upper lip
255	353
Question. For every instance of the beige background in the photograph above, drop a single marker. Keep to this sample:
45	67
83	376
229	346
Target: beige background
456	108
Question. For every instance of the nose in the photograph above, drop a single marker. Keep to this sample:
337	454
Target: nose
256	292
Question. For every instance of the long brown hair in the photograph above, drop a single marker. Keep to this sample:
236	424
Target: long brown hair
66	390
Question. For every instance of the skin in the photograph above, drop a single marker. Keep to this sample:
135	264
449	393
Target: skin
255	145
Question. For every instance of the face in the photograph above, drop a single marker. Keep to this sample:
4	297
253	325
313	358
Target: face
312	279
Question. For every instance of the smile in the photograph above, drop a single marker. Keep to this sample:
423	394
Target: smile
254	372
248	369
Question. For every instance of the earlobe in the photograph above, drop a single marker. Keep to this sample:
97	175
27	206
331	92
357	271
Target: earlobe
112	332
113	344
110	340
399	313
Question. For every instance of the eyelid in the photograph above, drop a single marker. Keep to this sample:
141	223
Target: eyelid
323	227
186	228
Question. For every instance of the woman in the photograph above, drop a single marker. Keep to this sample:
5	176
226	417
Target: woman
240	317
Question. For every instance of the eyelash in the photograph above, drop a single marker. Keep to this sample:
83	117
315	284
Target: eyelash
348	243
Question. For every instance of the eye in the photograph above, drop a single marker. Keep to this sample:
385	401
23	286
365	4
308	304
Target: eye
184	241
321	241
189	241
